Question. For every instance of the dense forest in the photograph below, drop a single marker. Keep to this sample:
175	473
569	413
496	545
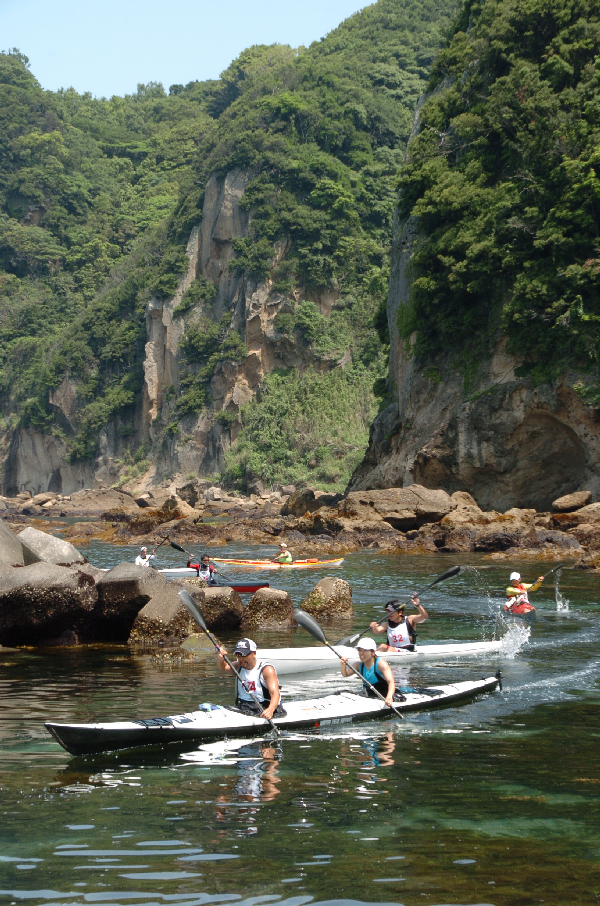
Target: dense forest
504	180
98	197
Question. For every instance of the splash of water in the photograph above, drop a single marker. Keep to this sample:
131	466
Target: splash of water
517	635
562	604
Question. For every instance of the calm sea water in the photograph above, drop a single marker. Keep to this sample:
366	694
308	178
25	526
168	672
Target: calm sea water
493	802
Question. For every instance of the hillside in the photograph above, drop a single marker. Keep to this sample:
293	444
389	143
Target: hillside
138	337
494	303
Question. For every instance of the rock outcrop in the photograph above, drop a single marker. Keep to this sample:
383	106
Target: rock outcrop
268	608
330	601
163	622
39	545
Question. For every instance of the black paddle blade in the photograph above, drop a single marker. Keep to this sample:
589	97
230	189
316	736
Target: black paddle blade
447	575
192	607
178	547
310	624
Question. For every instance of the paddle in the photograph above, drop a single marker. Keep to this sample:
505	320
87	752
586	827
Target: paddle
310	624
191	606
161	544
352	639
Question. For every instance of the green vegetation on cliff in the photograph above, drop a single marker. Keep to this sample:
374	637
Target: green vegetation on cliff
504	179
97	199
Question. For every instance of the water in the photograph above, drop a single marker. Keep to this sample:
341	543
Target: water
494	802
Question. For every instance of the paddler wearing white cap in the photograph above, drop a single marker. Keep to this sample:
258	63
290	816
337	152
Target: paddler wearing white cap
516	593
144	558
374	670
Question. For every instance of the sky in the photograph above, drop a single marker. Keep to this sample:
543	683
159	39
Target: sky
108	46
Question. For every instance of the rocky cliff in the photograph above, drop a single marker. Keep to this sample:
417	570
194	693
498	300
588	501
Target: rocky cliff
505	441
34	461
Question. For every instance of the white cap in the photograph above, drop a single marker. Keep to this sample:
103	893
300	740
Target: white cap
514	577
282	544
144	548
366	644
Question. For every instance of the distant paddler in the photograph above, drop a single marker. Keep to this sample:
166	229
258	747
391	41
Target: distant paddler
144	558
517	600
401	631
376	673
284	556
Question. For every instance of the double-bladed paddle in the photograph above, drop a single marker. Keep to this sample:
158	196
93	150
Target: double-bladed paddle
310	624
352	639
178	547
192	607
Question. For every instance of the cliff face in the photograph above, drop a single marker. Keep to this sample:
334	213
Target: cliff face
34	461
506	442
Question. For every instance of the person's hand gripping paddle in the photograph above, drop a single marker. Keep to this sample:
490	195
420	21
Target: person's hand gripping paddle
353	639
192	607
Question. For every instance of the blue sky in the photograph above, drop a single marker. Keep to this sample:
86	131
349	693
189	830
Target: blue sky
108	46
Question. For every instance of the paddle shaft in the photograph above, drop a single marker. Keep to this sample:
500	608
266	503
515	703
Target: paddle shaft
351	640
160	545
193	608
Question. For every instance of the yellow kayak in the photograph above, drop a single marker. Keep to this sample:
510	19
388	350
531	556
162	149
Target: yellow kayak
270	564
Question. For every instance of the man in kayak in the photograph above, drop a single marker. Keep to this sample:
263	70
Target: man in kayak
285	555
258	677
516	594
374	671
144	558
401	632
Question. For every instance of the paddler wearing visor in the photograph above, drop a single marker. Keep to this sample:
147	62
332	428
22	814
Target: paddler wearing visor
517	600
401	632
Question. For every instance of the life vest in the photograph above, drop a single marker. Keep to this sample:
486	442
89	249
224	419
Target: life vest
374	677
401	635
518	600
254	681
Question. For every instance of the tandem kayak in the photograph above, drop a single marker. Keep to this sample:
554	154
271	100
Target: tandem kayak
313	657
186	572
218	721
270	564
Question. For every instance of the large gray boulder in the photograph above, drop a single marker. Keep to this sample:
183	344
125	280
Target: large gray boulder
39	545
164	622
122	592
330	601
11	552
268	608
403	508
571	502
41	602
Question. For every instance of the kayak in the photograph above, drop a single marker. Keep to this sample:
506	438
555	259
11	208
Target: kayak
270	564
524	611
185	572
218	721
313	657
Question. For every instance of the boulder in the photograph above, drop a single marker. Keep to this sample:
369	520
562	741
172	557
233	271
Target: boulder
330	601
268	607
122	592
94	502
462	498
193	490
41	499
11	552
42	601
39	545
403	508
571	502
143	501
300	502
222	608
164	621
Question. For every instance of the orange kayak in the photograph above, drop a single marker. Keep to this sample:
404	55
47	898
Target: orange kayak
270	564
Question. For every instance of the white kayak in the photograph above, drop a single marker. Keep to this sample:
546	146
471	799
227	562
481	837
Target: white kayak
218	721
317	657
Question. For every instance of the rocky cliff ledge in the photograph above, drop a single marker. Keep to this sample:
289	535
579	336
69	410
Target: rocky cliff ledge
505	441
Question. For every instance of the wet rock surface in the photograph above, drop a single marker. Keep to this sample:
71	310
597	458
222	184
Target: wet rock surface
268	607
163	622
330	601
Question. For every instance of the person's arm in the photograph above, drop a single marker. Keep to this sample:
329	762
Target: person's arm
270	677
346	671
535	585
222	663
386	672
378	628
422	614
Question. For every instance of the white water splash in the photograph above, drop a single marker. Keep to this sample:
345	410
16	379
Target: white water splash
517	635
562	604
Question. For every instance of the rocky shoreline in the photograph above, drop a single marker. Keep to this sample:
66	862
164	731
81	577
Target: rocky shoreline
410	520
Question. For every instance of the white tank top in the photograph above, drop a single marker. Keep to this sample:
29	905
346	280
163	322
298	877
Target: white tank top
397	635
253	678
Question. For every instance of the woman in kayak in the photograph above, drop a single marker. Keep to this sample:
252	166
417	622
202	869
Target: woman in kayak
258	678
285	555
516	594
401	632
374	671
